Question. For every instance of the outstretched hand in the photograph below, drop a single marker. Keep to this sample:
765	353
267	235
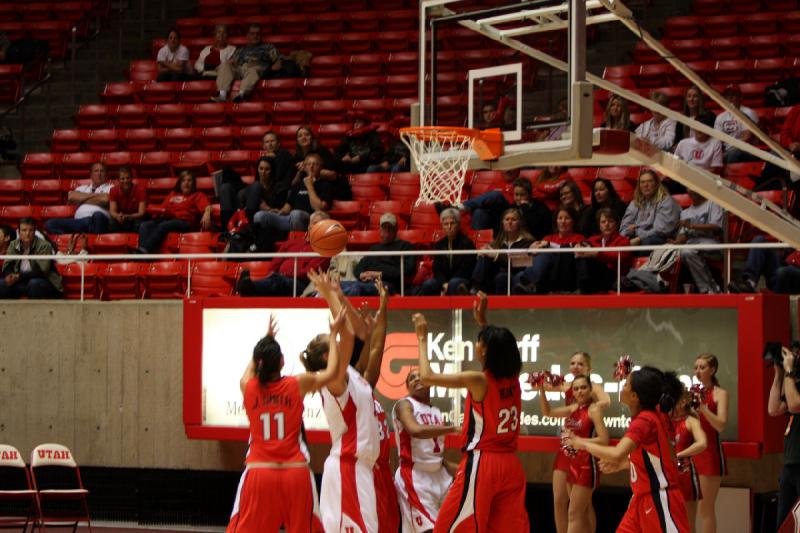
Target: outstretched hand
272	326
337	323
479	308
420	325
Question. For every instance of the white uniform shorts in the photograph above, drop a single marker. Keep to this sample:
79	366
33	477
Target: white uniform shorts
420	493
347	497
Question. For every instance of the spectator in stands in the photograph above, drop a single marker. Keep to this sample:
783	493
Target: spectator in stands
451	273
184	209
701	150
173	59
266	194
617	116
308	193
92	215
569	195
488	114
727	123
781	271
556	132
282	164
491	269
659	130
280	281
604	196
693	107
597	271
308	143
385	268
398	157
22	51
552	272
250	63
653	215
214	55
29	278
361	146
549	182
488	207
7	234
127	203
700	223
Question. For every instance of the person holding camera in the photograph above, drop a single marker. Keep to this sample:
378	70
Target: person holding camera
784	400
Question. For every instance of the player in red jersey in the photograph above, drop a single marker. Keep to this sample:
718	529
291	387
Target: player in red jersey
713	414
584	418
579	364
690	439
277	461
490	434
657	503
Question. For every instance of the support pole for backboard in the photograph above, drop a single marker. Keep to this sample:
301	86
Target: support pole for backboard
415	121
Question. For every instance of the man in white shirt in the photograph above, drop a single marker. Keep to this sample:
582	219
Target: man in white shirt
727	123
173	59
659	130
92	215
701	150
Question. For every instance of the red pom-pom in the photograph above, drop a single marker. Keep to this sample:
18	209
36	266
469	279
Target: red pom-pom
698	393
623	367
555	380
537	378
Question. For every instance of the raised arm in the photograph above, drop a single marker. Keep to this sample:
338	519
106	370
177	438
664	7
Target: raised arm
313	381
601	397
700	441
378	337
249	373
479	307
544	403
419	431
475	382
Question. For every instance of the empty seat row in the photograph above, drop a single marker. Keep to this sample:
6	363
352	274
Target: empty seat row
78	14
721	48
732	24
55	32
217	8
718	7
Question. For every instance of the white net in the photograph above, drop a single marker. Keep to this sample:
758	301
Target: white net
441	157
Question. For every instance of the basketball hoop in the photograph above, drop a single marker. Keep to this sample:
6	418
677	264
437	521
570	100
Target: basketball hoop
442	155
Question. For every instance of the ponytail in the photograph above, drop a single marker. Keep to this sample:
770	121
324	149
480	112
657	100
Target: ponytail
671	392
267	356
313	357
656	389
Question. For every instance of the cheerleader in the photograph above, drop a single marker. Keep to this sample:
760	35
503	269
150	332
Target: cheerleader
347	498
690	439
277	461
713	414
584	418
579	364
490	434
657	503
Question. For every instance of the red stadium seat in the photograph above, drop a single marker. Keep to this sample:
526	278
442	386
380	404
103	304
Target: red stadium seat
141	139
158	188
763	46
329	66
424	216
198	242
621	71
362	21
209	114
40	165
133	115
404	191
289	112
219	138
114	160
293	24
371	193
12	191
643	54
115	243
362	42
45	192
402	63
323	88
727	48
332	134
157	92
768	69
80	280
143	70
10	83
66	141
94	117
197	91
745	6
753	93
704	8
406	86
11	214
347	212
165	279
419	237
367	64
790	22
761	24
362	240
178	139
657	75
281	89
683	27
329	111
241	161
212	278
102	140
197	161
376	108
328	23
732	71
250	113
721	26
689	49
118	93
57	211
170	116
251	137
78	164
122	281
155	165
363	87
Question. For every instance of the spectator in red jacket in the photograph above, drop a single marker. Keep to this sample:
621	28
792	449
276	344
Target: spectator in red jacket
127	203
183	210
597	271
279	282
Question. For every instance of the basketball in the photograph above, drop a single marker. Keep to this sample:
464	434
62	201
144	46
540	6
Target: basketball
328	237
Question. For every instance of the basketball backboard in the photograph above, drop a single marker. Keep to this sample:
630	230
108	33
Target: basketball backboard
476	72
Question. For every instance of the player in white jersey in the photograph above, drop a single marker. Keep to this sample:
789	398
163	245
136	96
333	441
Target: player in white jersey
423	479
347	497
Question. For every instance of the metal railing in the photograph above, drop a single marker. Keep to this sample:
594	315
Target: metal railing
82	260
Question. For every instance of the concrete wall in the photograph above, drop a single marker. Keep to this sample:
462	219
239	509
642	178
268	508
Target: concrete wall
105	379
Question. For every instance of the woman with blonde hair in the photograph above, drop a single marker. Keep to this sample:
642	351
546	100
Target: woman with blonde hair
653	215
617	115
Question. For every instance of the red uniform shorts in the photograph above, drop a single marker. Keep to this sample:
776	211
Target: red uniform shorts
498	501
660	512
583	471
386	496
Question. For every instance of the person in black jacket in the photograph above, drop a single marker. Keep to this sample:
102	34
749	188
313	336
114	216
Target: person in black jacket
604	196
535	214
385	268
361	146
451	273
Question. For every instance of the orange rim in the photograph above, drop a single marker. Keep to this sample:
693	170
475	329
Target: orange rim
488	144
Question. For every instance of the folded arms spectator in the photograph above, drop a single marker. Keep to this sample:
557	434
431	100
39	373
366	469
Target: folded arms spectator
173	59
92	215
451	273
184	209
700	223
652	217
31	278
127	203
